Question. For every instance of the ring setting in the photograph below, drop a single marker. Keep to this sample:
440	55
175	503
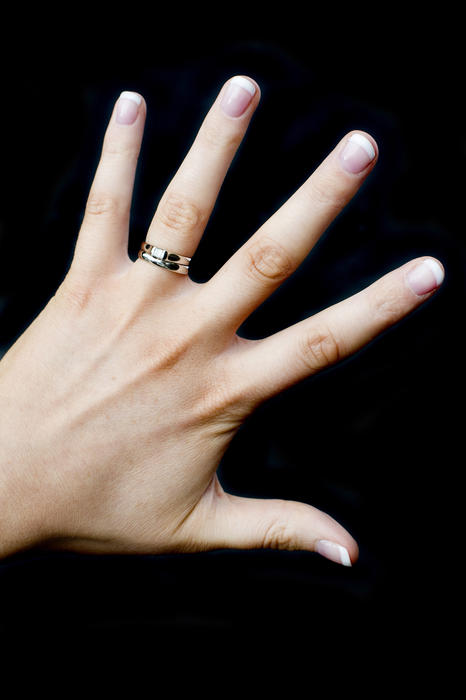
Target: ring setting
162	258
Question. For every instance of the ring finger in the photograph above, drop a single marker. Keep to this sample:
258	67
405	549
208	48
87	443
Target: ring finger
186	205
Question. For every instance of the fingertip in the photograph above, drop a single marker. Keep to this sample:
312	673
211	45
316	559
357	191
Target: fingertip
253	83
437	268
129	95
425	276
358	153
353	552
128	107
368	137
245	81
239	96
338	553
335	543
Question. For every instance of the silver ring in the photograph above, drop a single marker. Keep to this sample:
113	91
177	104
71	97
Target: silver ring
162	258
162	254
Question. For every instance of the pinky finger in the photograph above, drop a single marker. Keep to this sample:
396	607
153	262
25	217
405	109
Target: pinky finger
270	365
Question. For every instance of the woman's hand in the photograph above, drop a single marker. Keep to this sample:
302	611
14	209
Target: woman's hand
120	399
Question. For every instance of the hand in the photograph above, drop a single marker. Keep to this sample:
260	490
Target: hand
120	399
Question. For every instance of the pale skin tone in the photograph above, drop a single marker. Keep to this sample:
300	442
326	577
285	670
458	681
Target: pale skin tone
120	399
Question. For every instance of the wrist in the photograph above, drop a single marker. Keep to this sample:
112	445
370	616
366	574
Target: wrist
18	514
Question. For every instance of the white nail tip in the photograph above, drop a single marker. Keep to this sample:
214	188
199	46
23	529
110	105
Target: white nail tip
436	270
344	556
364	143
126	95
334	551
244	83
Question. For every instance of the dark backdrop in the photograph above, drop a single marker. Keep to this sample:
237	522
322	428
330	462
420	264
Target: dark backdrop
377	441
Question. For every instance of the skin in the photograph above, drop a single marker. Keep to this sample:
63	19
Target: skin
120	399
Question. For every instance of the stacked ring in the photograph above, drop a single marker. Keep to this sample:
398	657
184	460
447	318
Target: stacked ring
158	256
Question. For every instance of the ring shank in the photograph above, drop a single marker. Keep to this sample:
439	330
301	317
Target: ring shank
166	263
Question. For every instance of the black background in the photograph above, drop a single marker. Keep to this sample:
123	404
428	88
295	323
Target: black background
376	441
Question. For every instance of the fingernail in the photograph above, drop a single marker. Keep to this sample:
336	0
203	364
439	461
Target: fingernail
238	96
128	107
426	277
333	551
357	154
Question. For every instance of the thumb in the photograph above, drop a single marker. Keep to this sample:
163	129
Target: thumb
249	523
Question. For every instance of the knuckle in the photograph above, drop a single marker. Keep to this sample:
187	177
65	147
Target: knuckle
269	261
218	406
319	348
214	135
102	204
170	354
279	534
328	193
74	294
179	214
117	149
387	308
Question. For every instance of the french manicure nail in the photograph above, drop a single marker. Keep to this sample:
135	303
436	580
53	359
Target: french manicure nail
357	154
333	551
238	96
425	277
128	107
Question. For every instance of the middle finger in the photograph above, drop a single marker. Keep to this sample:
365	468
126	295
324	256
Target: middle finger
281	244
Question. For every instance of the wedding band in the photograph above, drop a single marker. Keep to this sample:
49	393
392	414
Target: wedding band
162	254
158	256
